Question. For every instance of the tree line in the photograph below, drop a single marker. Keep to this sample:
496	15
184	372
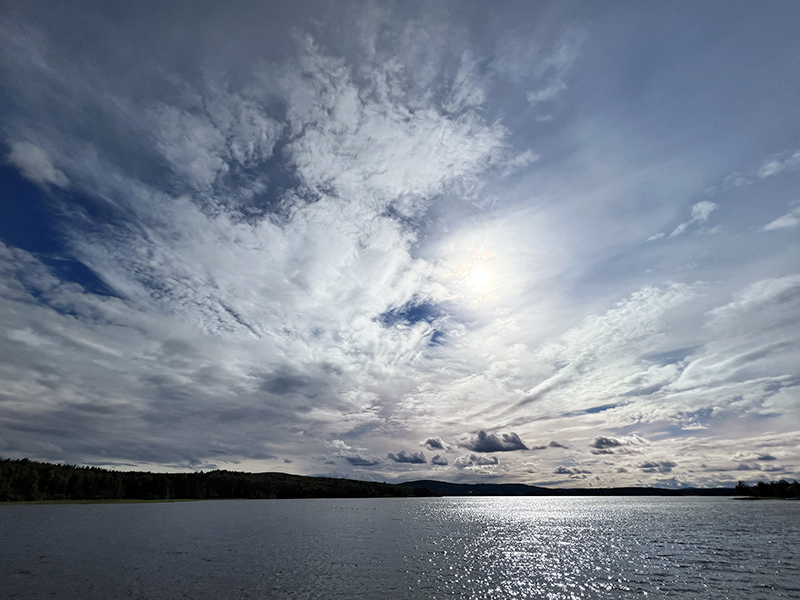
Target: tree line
27	480
777	489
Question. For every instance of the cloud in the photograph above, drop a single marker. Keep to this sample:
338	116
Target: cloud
206	139
357	460
786	162
555	444
345	144
663	466
549	92
439	460
357	457
749	456
36	165
572	473
553	70
592	356
787	221
416	458
196	241
605	442
474	460
489	442
700	214
609	445
754	339
736	180
435	443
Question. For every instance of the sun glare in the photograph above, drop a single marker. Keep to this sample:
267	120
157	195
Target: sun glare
478	278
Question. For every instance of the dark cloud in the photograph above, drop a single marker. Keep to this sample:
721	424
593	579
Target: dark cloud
572	473
489	442
664	466
609	445
605	442
357	460
562	470
285	383
404	457
774	468
748	467
555	444
439	460
475	460
435	443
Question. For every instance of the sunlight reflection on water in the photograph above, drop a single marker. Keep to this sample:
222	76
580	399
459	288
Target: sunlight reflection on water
551	548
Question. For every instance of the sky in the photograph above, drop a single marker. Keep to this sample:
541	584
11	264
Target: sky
554	243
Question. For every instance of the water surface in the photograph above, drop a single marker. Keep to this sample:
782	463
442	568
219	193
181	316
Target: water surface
404	548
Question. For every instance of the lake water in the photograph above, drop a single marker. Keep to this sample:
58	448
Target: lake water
410	548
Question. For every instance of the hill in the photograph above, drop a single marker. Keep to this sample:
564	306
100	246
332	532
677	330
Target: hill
27	480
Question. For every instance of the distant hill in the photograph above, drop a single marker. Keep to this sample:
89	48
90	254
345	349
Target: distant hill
442	488
27	480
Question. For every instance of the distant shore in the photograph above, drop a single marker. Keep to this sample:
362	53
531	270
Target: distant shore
27	482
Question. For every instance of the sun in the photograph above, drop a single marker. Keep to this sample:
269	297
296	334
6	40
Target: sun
478	278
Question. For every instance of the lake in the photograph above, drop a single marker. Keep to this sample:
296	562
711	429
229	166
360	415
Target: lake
404	548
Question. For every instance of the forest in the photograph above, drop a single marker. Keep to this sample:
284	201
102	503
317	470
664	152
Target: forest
27	480
763	489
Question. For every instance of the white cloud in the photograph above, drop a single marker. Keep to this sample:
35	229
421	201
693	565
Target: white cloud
700	214
281	315
36	165
591	361
370	147
752	351
785	162
787	221
550	92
